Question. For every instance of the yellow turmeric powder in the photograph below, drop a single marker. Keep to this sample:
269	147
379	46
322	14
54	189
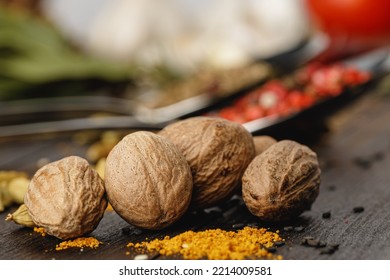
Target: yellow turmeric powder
215	244
81	242
40	230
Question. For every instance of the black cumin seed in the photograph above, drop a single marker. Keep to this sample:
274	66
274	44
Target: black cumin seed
321	244
362	163
328	250
334	246
279	243
358	209
378	156
306	239
326	215
271	249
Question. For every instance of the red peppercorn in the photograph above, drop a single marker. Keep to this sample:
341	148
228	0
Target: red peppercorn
310	84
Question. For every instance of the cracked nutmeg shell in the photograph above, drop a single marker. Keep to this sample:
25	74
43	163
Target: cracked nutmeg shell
218	152
66	198
282	182
148	181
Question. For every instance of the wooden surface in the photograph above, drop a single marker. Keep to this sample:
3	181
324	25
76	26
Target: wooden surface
355	161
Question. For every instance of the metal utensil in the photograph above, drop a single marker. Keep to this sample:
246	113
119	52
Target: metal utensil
143	117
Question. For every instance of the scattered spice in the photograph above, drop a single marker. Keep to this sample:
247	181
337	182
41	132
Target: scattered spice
40	230
310	241
326	215
279	243
363	163
330	249
216	244
271	249
81	242
109	207
293	93
358	209
367	161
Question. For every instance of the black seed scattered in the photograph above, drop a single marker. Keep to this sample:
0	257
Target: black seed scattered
299	229
328	250
326	215
321	244
378	156
362	162
288	228
306	239
271	249
331	188
238	226
358	209
279	243
126	230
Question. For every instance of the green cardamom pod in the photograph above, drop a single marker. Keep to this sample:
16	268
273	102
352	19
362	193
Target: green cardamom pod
17	188
5	198
21	217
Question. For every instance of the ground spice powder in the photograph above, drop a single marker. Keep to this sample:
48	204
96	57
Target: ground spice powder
215	244
81	242
40	230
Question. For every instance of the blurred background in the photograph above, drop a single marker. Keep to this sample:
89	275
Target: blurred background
156	53
122	40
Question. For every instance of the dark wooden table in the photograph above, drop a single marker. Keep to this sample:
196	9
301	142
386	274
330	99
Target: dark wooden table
355	161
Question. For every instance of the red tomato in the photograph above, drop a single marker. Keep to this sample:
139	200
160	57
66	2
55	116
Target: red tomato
353	25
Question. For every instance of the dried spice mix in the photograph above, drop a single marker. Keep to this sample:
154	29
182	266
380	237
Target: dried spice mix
281	97
216	244
81	242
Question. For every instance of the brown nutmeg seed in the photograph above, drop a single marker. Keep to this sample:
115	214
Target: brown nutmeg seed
218	152
66	198
148	181
262	143
282	182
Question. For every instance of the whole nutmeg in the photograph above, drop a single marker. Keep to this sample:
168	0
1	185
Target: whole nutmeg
148	181
218	152
262	143
66	198
282	182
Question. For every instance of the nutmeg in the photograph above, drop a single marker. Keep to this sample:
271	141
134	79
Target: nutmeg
66	198
218	152
282	182
262	143
148	181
